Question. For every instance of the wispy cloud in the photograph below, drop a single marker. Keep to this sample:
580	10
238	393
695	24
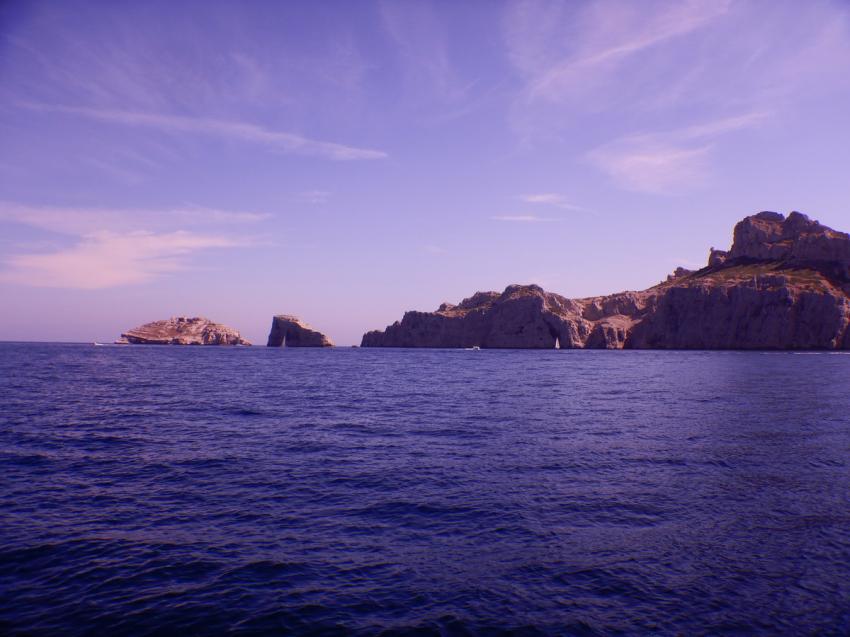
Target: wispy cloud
670	162
241	131
315	197
566	51
721	126
215	62
104	260
550	199
641	66
200	214
422	42
646	166
78	221
610	33
108	248
520	218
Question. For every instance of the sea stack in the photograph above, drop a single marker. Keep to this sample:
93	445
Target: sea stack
784	284
182	330
290	331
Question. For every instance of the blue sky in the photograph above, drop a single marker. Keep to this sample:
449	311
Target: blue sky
345	162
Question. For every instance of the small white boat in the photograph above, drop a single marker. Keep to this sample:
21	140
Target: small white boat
473	348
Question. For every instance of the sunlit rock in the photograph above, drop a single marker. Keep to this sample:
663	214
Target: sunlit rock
784	284
182	330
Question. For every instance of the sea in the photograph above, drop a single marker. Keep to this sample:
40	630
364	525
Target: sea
156	490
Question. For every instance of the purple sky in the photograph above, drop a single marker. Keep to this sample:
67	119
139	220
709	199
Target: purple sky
347	161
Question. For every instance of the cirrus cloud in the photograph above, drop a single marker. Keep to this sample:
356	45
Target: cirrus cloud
550	199
106	259
669	162
115	247
237	130
520	218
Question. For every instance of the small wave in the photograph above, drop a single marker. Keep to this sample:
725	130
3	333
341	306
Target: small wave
25	459
247	411
413	512
265	571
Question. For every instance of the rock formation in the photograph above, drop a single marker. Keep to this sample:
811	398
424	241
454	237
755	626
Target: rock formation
768	236
784	284
290	331
184	331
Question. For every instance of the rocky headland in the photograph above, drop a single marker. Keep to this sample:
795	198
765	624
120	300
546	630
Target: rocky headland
784	284
182	330
290	331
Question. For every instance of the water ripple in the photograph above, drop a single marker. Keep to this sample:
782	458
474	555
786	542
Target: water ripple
151	491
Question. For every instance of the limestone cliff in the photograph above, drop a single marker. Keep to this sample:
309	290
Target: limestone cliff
290	331
184	331
784	284
768	236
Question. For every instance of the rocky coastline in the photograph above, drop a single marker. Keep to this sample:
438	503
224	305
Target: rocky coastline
783	284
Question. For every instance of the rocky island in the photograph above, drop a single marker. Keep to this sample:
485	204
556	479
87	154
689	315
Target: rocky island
290	331
784	284
182	330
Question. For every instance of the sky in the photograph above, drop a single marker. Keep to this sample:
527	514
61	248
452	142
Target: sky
348	161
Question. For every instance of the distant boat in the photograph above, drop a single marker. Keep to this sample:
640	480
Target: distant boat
121	341
473	348
96	344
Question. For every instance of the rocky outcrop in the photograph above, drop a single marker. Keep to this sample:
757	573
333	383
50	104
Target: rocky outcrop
784	284
181	330
290	331
769	236
717	257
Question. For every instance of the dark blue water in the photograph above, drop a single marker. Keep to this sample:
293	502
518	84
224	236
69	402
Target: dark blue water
167	490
